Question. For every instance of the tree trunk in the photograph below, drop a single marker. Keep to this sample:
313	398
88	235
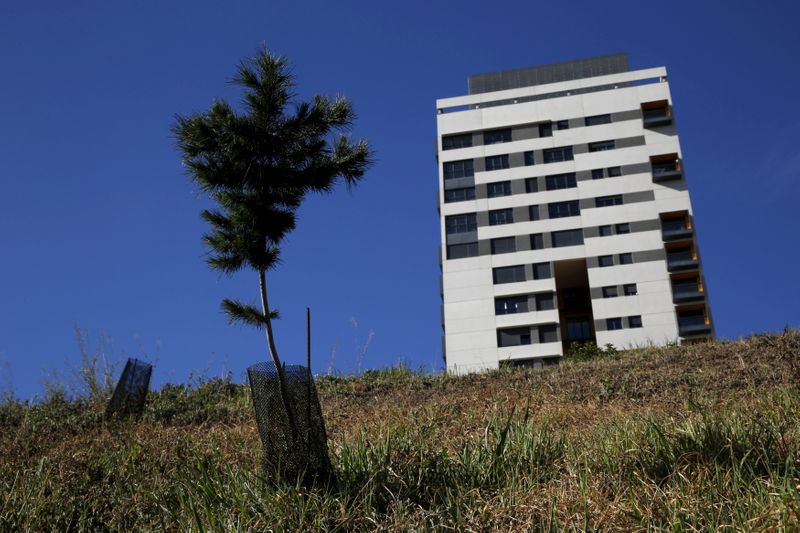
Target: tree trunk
273	351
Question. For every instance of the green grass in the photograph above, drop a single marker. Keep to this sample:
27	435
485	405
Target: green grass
676	439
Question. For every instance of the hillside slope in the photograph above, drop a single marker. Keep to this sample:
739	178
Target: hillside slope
700	437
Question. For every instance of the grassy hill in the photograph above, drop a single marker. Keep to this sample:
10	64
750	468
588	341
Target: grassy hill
700	437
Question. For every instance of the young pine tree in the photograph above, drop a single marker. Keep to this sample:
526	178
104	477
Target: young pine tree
258	163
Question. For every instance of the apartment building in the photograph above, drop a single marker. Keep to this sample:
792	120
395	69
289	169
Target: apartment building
565	216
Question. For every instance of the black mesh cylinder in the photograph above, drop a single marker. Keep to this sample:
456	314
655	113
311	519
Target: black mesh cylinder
131	390
304	454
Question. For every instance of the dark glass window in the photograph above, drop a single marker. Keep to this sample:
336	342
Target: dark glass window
597	174
629	289
571	237
531	185
503	245
625	259
563	209
601	146
537	241
578	329
548	333
635	321
605	260
623	228
545	301
560	181
459	195
498	217
613	172
451	142
554	155
610	291
510	305
546	129
457	251
541	270
460	223
528	156
496	162
513	337
606	201
497	136
458	169
497	189
512	274
597	120
605	231
562	124
613	323
533	212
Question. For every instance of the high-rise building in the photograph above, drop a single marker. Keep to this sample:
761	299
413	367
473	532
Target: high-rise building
565	216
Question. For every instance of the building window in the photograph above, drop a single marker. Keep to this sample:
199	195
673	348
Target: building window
610	291
601	146
537	241
604	231
531	185
498	188
459	195
560	181
513	337
511	305
545	301
606	201
498	217
528	156
451	142
562	124
533	212
496	162
554	155
503	245
613	323
548	333
578	330
458	169
625	259
458	251
597	174
563	209
512	274
460	223
635	321
623	228
570	237
629	289
546	129
596	120
541	270
497	136
605	260
613	172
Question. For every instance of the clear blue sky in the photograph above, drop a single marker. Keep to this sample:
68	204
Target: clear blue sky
100	227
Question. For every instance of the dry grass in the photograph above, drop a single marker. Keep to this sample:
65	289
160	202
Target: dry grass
699	437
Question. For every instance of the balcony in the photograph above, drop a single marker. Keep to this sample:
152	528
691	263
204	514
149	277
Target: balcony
684	295
657	117
693	321
693	325
681	260
667	171
656	114
675	232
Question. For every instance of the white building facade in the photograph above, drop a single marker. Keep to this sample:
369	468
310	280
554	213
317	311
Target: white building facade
565	216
